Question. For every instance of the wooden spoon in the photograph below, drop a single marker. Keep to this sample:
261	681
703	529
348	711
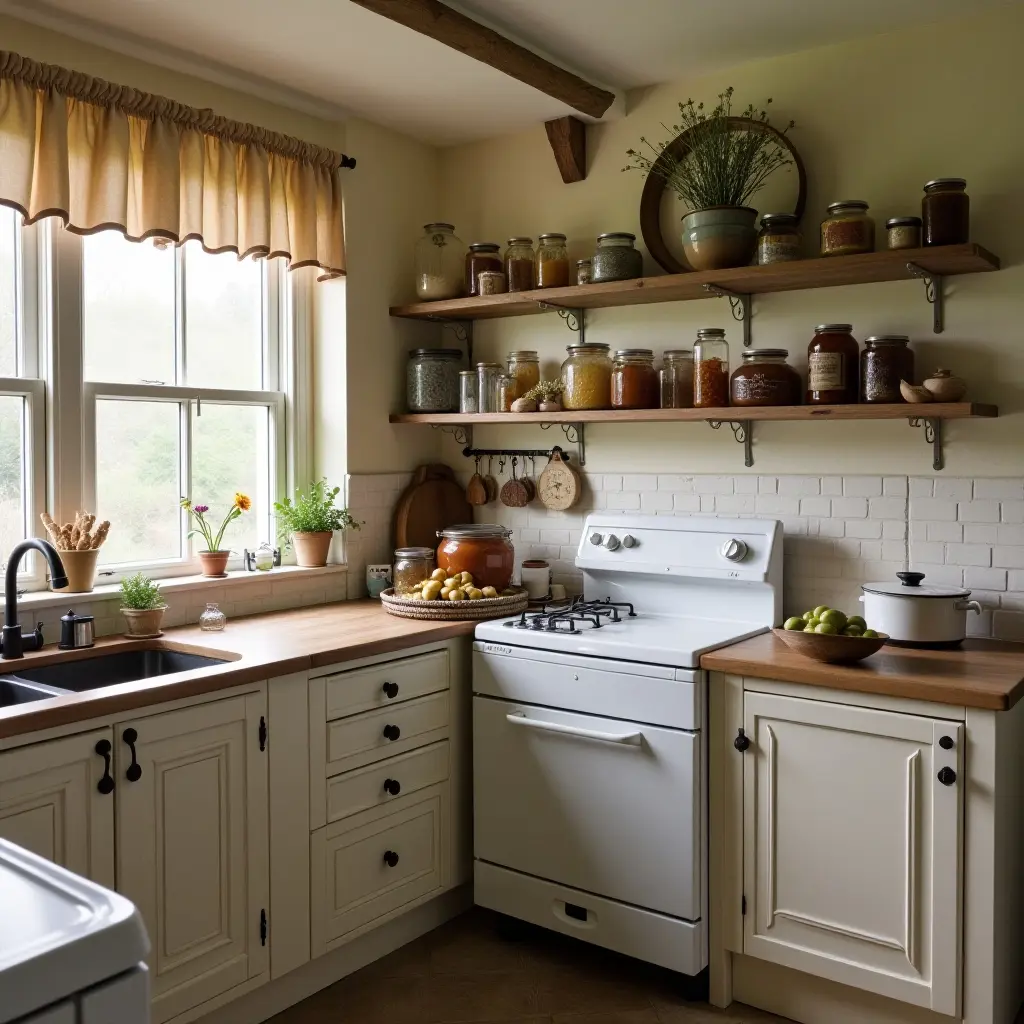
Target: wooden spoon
476	489
490	483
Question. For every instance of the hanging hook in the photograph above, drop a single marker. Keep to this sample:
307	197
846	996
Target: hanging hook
501	464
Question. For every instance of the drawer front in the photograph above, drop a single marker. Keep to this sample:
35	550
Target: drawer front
381	784
382	685
366	867
363	739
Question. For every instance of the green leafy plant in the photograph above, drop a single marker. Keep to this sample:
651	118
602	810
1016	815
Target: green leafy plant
724	166
141	593
197	513
545	390
314	512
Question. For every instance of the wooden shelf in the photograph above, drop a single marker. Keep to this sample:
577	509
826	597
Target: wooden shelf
829	272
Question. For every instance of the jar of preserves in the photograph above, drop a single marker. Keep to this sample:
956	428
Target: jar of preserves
765	378
479	257
583	272
432	380
587	376
552	262
675	379
832	366
486	386
491	282
411	566
439	263
779	239
482	550
903	232
504	392
886	360
520	265
710	369
946	212
524	367
848	229
616	258
634	380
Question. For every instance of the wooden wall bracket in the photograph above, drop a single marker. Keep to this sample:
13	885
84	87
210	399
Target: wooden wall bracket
568	138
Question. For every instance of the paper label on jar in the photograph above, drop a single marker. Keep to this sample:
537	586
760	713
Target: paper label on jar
825	371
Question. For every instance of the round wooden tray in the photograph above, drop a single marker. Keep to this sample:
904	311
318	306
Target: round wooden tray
449	611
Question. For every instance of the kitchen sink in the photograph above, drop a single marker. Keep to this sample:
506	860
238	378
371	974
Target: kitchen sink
18	691
110	669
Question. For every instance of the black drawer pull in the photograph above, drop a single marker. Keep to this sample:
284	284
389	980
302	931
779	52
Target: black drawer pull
392	787
947	776
134	771
392	732
390	858
390	690
106	783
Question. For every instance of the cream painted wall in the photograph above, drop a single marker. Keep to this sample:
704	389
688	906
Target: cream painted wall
875	119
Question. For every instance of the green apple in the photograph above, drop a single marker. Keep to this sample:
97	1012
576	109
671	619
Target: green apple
794	622
826	628
820	610
856	620
870	634
834	617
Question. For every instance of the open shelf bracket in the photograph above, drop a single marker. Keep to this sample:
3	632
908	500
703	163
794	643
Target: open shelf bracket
575	319
743	431
463	331
574	434
932	436
463	433
740	306
934	293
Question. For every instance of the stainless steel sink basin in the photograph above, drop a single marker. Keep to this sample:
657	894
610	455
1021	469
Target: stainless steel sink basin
18	691
110	669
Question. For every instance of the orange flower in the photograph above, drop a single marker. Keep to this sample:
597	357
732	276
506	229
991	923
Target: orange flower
242	502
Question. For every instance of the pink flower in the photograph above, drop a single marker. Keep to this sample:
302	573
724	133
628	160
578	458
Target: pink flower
201	509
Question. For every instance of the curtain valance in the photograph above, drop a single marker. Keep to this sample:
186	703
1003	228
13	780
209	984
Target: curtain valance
100	155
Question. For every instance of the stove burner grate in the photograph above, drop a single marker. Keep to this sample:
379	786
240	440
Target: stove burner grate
566	618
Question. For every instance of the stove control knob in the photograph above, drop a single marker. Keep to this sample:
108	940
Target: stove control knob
596	538
629	541
734	550
611	542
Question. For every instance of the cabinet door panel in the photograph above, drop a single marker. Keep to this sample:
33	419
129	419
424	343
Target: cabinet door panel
852	846
50	805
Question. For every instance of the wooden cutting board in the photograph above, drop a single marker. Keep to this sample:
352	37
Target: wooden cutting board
431	502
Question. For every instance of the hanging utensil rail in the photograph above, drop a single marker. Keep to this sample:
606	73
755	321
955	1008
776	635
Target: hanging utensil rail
508	453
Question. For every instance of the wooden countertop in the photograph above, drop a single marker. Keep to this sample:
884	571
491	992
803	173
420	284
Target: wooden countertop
980	674
257	647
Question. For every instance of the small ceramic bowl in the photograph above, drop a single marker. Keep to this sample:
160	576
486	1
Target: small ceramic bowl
914	393
832	649
944	387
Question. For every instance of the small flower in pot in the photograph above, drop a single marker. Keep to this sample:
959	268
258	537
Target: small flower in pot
312	520
142	605
214	559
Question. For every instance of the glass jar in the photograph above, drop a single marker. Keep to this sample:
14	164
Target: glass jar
832	366
213	620
482	550
675	379
903	232
552	261
946	212
504	392
468	391
524	366
411	566
587	376
634	380
616	259
765	378
779	239
486	380
432	379
263	559
710	369
848	229
481	256
491	282
439	257
520	265
583	271
886	360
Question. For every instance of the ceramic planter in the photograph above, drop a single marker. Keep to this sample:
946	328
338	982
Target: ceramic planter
720	237
144	623
311	549
80	569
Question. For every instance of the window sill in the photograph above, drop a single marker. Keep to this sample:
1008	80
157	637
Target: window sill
236	581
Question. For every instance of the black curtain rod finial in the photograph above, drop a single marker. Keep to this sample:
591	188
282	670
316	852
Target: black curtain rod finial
348	161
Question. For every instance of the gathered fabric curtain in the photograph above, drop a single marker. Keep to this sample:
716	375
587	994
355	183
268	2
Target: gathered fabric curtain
102	156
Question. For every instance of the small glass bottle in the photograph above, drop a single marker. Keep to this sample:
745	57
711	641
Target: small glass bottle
848	229
552	261
946	212
903	232
411	566
886	360
710	369
675	379
486	379
833	366
479	257
264	557
616	258
468	391
587	376
439	257
524	366
583	271
504	392
779	239
520	265
213	620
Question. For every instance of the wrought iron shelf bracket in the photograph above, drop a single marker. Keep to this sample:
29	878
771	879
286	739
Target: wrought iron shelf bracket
463	434
575	433
932	436
743	431
740	306
463	331
934	292
575	319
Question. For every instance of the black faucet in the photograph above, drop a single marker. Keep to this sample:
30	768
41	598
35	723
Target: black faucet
14	644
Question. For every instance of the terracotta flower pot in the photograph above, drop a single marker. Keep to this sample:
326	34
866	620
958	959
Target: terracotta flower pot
144	622
720	237
80	569
311	549
214	563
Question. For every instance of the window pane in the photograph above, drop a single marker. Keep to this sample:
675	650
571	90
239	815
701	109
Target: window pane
223	320
10	226
231	452
128	310
12	474
137	479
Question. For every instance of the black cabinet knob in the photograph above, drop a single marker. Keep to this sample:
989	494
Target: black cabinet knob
742	741
390	858
134	771
392	787
390	690
946	742
106	783
392	732
947	776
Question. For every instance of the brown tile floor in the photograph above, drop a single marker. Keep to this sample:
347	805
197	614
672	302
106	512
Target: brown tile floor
464	972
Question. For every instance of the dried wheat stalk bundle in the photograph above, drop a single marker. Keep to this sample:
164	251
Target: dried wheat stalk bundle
81	535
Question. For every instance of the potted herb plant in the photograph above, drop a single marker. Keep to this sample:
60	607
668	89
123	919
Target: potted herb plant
311	520
142	605
214	560
716	163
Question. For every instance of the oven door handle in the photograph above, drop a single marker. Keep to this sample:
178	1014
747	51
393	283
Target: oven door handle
632	739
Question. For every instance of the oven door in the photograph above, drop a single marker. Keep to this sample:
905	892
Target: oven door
600	804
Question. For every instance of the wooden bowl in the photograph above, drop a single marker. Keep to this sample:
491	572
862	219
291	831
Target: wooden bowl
832	649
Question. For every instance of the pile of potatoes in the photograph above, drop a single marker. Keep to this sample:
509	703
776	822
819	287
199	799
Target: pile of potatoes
458	587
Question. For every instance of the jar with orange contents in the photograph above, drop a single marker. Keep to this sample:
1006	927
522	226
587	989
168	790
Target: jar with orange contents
634	379
481	549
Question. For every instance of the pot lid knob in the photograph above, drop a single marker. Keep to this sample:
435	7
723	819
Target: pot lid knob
910	579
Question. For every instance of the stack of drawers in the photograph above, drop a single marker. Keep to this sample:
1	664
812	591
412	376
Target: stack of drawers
379	774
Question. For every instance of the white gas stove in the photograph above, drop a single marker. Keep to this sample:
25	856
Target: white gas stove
590	786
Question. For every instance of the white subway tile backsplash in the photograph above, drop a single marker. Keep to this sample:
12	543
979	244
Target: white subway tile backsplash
950	532
639	482
894	529
713	485
1007	557
970	554
777	505
799	485
767	485
944	575
894	486
623	500
981	533
816	507
862	486
832	485
953	488
978	511
1010	534
927	551
921	486
850	508
735	504
978	578
746	484
929	509
1012	511
656	501
869	528
887	508
1008	625
686	502
611	483
999	489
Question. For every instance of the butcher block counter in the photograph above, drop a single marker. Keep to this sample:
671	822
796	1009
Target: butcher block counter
981	673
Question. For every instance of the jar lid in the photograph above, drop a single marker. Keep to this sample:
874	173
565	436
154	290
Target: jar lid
551	234
779	218
473	531
414	552
583	263
524	353
484	246
678	353
833	329
522	240
945	183
617	234
903	222
467	373
847	204
488	366
710	332
887	339
599	347
634	353
910	586
439	226
435	353
751	355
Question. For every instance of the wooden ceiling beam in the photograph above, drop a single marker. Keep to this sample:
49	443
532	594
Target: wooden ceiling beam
438	21
568	138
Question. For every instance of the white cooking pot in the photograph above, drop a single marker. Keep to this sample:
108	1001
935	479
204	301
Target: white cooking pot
916	616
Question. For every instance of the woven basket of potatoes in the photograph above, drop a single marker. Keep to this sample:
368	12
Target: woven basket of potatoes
445	598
